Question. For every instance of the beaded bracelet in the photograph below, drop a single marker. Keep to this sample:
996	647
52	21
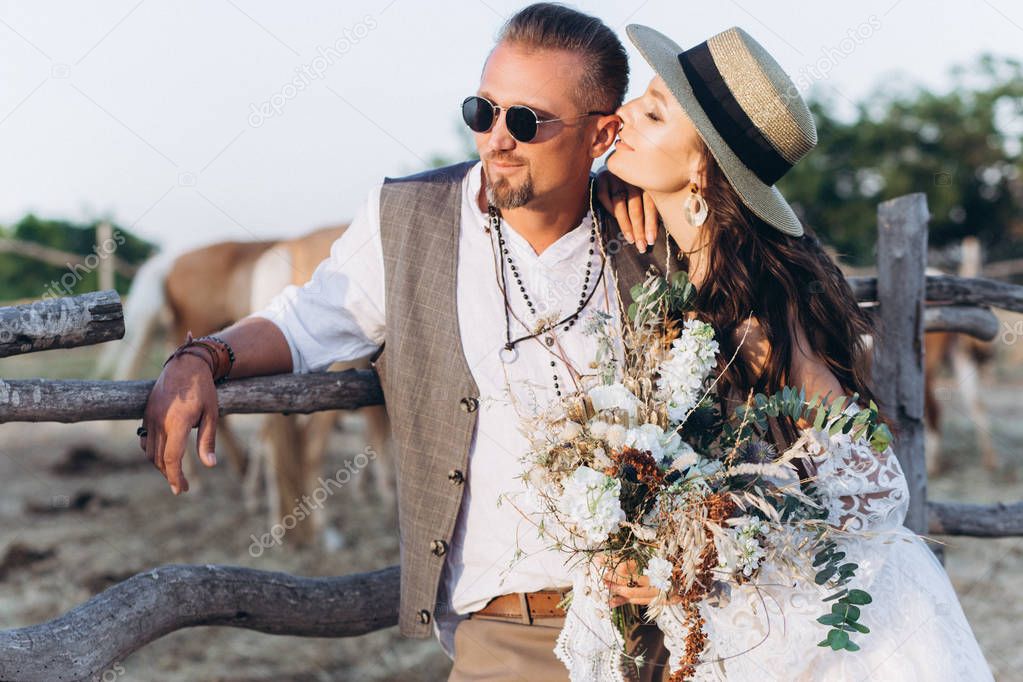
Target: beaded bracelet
209	344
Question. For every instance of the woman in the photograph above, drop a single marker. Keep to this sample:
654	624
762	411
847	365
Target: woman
715	129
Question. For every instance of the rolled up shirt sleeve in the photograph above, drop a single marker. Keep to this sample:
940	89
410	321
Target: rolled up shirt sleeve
338	315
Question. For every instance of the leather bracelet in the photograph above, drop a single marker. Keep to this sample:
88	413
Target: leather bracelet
215	352
196	351
226	347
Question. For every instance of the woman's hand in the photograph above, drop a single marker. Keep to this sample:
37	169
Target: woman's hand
626	585
632	208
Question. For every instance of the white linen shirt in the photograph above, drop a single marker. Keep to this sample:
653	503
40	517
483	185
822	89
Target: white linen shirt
339	315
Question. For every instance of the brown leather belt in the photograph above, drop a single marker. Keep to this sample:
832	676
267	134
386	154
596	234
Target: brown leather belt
525	606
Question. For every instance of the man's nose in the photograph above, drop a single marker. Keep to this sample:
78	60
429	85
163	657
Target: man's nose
500	138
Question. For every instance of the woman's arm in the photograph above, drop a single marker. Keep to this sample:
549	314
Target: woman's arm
865	489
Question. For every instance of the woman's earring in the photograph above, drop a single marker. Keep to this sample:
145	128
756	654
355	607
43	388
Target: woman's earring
695	207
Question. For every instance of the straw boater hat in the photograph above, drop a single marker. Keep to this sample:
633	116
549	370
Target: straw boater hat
744	106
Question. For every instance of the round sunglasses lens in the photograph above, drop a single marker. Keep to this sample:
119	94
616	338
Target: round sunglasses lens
521	123
478	114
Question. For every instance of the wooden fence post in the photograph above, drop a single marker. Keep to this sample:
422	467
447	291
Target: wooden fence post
899	350
105	234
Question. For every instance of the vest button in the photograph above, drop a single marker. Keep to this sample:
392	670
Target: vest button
424	616
469	404
456	477
439	547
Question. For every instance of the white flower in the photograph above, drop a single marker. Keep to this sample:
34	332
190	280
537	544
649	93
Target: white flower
616	436
570	431
659	571
738	548
590	503
614	396
685	458
647	437
680	377
598	428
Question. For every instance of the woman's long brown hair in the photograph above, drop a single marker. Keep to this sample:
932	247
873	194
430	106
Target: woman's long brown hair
784	282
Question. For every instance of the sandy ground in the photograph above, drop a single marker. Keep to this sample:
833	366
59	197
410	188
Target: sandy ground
67	534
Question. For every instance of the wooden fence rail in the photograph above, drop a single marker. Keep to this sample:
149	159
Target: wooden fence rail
90	638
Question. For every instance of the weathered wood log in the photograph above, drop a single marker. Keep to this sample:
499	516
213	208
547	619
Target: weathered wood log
38	400
899	349
91	638
1004	268
978	520
61	323
976	321
953	290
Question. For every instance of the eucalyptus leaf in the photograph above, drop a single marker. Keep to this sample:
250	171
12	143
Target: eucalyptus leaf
859	597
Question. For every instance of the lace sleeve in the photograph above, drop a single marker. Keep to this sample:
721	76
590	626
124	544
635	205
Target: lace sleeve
863	489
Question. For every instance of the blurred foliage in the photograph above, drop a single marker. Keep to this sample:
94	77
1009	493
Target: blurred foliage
962	148
27	278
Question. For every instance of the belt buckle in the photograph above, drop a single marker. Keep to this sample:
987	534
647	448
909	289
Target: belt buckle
527	616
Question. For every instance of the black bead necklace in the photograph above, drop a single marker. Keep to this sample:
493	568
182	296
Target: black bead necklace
508	352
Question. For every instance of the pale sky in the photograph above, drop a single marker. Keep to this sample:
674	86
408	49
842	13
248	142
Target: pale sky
145	111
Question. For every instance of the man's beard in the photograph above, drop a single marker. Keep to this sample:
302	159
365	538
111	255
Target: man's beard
503	195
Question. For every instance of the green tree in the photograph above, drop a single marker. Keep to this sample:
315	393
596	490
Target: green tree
23	277
962	148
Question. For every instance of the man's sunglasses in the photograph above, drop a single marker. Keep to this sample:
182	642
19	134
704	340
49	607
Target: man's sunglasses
480	114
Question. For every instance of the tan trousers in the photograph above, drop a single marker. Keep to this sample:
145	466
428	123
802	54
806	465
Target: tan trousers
506	651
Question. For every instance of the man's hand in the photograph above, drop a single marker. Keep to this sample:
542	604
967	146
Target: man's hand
632	208
184	397
627	585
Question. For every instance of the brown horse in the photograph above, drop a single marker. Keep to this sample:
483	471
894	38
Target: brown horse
293	446
207	289
969	360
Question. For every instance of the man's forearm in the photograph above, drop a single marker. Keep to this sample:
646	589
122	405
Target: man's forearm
259	348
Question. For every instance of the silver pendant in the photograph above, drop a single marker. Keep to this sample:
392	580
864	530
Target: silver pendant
508	355
549	340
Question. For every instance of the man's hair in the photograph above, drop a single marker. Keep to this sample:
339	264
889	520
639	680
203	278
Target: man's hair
548	25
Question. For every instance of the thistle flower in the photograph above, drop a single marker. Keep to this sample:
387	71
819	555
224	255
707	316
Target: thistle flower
757	452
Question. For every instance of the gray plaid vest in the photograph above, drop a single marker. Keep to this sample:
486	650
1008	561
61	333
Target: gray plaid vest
430	393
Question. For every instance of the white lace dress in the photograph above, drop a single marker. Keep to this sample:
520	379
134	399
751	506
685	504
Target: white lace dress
918	631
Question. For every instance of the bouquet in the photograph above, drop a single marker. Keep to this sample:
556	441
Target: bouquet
640	465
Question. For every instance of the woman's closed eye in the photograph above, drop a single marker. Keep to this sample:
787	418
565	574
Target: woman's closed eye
652	116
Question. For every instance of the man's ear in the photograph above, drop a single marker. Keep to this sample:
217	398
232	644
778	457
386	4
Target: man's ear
607	131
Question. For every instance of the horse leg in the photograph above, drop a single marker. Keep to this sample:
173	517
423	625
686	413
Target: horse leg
256	471
378	434
229	442
318	428
286	477
967	373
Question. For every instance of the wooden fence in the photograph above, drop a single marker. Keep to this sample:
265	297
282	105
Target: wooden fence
93	636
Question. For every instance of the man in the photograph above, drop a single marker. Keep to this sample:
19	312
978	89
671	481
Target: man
475	279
